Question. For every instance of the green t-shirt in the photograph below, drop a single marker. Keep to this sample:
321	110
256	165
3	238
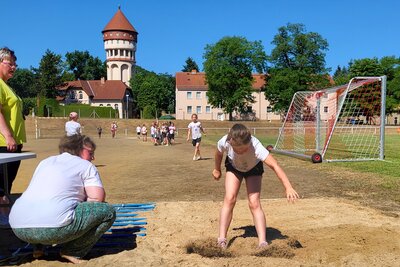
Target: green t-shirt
12	112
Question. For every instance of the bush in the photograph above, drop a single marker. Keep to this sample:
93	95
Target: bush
148	112
86	111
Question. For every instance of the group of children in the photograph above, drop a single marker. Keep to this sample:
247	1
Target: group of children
163	134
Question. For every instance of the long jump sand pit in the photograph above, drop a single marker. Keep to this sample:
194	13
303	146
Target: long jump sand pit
321	229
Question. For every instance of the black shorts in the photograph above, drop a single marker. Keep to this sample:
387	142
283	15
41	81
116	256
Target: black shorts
257	170
195	141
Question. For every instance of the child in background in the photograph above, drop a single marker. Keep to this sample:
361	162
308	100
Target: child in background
144	133
114	128
195	129
245	158
138	131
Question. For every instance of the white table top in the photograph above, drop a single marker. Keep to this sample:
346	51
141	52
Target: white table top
10	157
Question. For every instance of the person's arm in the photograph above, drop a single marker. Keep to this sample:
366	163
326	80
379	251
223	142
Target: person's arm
5	131
202	130
188	134
291	194
95	193
217	164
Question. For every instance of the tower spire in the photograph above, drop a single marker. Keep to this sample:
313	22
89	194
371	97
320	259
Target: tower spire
120	39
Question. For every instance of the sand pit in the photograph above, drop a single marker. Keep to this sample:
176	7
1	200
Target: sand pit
316	231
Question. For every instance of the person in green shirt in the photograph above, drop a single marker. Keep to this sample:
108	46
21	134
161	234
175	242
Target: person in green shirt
12	125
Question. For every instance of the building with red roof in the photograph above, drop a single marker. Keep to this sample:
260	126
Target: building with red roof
120	40
191	97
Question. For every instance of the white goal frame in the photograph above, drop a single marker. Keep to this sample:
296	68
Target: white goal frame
342	123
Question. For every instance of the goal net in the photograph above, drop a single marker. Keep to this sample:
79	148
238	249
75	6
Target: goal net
343	123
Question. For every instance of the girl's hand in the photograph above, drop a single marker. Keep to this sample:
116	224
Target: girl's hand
291	195
216	174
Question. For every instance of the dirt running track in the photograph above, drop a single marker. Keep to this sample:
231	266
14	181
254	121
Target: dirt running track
332	225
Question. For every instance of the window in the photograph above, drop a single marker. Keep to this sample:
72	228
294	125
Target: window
108	105
189	95
269	109
80	95
189	109
116	106
326	109
198	109
100	105
208	109
198	95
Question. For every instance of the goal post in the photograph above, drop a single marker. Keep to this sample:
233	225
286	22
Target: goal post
342	123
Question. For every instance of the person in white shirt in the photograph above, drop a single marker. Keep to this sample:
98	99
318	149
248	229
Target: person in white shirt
113	129
72	126
194	130
144	133
171	133
245	158
65	202
138	131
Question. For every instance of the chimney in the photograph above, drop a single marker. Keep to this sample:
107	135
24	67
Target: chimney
194	71
102	80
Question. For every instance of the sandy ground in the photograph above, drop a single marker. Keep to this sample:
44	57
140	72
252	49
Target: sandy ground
322	229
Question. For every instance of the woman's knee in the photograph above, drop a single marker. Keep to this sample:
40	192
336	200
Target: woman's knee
230	200
254	204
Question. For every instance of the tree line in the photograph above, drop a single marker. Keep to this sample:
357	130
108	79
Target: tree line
296	63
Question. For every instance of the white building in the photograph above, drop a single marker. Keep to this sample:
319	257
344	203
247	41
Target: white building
191	97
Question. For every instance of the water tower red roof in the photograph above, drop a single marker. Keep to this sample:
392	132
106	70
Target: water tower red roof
119	23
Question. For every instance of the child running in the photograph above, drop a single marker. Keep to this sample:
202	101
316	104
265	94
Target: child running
195	129
245	158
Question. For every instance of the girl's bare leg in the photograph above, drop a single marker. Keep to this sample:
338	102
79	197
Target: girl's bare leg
253	185
232	186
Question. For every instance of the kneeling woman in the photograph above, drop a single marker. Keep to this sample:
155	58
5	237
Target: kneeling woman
64	202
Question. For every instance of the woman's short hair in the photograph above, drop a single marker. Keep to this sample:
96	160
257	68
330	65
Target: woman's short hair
74	144
239	135
7	53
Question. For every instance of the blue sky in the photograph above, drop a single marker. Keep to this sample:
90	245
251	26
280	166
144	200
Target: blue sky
171	31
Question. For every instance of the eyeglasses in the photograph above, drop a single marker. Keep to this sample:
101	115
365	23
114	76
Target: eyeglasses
11	65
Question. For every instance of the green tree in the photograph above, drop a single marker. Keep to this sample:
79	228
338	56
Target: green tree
153	91
341	75
190	65
297	64
366	67
24	83
391	68
84	66
49	77
50	73
229	65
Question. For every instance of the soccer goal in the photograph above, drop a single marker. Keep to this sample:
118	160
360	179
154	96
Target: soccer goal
343	123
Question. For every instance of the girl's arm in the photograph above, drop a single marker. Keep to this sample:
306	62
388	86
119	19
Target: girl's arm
202	130
188	134
291	194
217	164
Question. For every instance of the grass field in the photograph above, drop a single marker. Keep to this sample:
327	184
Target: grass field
267	133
